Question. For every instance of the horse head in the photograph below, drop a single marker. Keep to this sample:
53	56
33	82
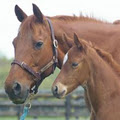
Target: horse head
35	55
75	69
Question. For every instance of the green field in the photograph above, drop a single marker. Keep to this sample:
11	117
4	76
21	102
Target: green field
4	69
42	118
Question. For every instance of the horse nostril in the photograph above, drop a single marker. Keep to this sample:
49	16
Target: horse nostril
55	89
16	88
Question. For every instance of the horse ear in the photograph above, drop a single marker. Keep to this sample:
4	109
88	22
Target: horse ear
19	13
37	13
66	39
78	42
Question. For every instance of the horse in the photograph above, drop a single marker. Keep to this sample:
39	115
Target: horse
95	69
37	53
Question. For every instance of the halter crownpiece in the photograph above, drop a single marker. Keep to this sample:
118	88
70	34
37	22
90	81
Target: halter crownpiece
53	63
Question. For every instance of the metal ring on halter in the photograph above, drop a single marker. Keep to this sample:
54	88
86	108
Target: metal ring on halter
28	105
22	64
55	43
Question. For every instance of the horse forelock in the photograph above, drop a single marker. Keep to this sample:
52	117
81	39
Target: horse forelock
27	25
31	24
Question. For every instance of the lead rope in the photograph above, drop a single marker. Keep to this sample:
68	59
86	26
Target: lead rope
25	113
27	106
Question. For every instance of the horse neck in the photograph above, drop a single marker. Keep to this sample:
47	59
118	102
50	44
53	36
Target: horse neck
107	57
81	26
62	47
103	86
69	26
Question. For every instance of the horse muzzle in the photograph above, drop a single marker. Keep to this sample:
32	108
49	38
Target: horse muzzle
59	90
17	92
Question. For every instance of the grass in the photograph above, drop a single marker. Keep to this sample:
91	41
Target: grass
41	118
47	83
5	65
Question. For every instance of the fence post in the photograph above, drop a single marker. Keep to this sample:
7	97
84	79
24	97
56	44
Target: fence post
35	118
68	107
19	111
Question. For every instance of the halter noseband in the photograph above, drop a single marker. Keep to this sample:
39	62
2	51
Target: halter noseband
53	62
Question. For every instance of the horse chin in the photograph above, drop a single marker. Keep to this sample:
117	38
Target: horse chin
21	99
60	95
18	101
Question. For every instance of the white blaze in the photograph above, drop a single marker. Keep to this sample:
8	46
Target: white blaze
65	58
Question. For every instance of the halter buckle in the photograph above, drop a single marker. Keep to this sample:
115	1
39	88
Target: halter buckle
55	59
55	43
22	64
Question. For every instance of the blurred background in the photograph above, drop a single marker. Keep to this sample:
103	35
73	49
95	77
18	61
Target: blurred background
45	106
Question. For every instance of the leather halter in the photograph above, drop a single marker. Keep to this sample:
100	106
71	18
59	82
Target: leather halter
53	63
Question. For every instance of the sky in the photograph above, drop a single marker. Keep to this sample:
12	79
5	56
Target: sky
108	10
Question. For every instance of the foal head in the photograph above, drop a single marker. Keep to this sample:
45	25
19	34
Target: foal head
75	70
33	46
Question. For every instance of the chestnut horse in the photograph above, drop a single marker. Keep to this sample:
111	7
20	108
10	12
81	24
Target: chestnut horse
96	70
34	47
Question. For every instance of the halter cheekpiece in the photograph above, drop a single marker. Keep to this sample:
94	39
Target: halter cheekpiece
53	62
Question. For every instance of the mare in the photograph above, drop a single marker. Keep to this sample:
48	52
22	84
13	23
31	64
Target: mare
96	70
34	48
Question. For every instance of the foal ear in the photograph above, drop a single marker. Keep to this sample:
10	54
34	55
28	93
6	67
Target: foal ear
37	13
78	42
19	13
67	40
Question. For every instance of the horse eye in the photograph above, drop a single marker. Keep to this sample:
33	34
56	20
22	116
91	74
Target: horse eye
38	45
74	64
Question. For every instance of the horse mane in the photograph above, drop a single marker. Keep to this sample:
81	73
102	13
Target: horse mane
77	18
107	57
32	19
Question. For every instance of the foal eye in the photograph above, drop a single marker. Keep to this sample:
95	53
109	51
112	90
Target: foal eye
38	45
74	64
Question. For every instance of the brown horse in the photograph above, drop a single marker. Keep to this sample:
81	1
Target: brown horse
34	47
96	70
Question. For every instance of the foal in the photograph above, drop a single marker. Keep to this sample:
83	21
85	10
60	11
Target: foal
94	69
